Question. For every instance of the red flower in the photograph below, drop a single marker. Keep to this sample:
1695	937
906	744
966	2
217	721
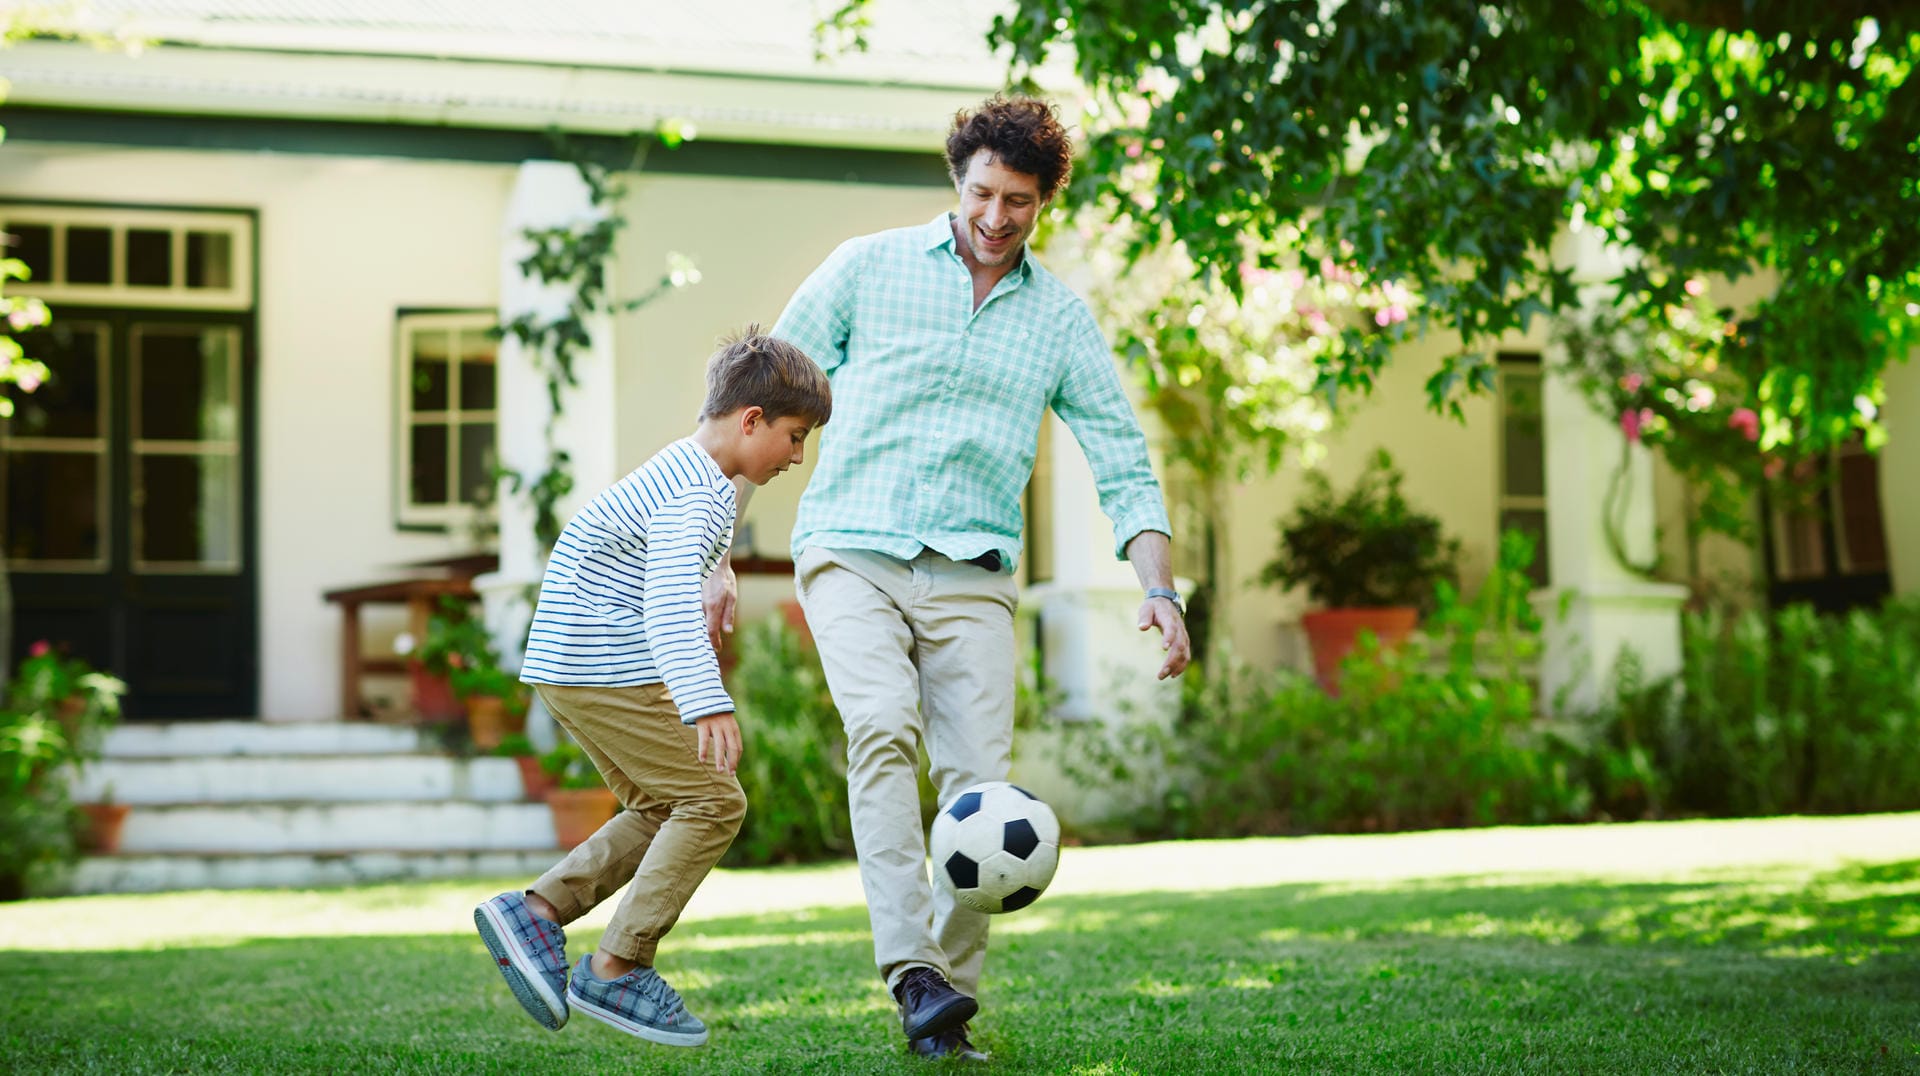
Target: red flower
40	649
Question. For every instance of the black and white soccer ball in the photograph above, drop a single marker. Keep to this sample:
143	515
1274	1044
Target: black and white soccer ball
995	847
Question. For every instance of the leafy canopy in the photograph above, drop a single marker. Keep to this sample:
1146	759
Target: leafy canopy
1450	144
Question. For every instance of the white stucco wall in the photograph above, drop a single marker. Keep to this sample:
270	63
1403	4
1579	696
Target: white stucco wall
343	244
1899	463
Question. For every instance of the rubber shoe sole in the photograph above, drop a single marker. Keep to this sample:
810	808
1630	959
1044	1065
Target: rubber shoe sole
953	1014
523	978
621	1023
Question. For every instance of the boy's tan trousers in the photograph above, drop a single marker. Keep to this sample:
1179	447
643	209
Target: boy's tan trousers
919	650
680	815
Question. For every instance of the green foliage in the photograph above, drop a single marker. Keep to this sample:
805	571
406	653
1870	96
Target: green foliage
1788	712
1441	732
1448	143
514	745
793	768
458	646
1366	548
565	756
56	715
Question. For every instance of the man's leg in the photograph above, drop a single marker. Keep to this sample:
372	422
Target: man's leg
854	602
963	633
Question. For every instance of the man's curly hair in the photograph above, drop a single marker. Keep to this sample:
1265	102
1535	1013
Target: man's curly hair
1022	133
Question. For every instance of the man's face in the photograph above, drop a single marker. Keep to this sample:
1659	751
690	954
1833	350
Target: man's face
999	208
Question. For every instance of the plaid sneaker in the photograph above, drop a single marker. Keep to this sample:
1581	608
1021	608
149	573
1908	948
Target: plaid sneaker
638	1003
530	952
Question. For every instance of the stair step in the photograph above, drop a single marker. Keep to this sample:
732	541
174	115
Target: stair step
200	739
296	778
157	873
447	826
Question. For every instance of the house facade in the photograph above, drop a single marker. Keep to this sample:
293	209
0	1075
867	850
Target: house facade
275	238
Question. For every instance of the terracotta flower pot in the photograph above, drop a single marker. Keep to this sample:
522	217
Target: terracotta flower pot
489	721
104	823
1333	634
536	781
578	812
432	696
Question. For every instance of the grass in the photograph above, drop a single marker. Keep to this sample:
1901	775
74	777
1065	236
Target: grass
1779	946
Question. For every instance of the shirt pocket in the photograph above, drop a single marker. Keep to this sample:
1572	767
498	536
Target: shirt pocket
1011	372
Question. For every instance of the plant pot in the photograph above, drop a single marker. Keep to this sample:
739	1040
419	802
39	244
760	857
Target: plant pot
1333	633
578	812
104	823
69	713
432	696
536	781
489	721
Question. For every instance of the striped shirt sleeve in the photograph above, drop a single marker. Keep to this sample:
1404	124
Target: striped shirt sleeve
1094	405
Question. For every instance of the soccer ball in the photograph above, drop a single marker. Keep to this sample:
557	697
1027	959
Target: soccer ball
995	847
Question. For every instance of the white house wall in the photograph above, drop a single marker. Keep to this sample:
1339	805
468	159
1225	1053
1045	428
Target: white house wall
1899	464
754	240
344	242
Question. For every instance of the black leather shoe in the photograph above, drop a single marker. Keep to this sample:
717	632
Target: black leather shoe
952	1044
929	1005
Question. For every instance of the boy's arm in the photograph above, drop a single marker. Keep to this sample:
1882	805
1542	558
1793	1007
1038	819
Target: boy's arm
681	537
720	594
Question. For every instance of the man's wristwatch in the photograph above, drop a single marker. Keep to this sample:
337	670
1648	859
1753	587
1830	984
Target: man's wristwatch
1171	595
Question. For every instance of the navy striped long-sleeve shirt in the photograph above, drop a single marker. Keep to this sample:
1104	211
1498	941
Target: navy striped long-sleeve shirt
620	604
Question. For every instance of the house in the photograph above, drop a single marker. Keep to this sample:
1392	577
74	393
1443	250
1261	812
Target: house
276	235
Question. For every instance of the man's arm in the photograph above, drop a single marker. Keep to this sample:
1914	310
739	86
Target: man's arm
720	594
1151	554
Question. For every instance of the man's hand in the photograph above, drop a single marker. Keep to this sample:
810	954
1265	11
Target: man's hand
1163	614
718	596
721	733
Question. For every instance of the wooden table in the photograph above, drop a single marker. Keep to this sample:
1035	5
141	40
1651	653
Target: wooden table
421	595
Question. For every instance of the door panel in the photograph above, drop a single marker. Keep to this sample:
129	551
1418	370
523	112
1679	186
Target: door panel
129	486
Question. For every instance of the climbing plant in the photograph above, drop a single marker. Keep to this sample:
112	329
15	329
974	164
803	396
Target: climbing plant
576	257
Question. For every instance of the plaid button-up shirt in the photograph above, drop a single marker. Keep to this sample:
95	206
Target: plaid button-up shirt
937	406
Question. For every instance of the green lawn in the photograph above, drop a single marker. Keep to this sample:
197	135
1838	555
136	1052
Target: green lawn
1789	945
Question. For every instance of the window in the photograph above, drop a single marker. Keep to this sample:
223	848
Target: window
1523	458
54	466
183	260
446	433
1841	533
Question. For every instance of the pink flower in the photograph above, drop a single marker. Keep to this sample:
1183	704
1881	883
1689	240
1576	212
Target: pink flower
19	318
1748	423
1382	318
1633	421
1252	275
27	380
1695	286
1397	312
1774	467
1632	382
1133	149
1296	279
40	649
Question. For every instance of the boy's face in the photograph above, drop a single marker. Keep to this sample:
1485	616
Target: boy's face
772	447
999	208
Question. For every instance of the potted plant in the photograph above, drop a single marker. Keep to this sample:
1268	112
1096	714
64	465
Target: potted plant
534	778
494	699
451	638
101	822
582	803
58	710
1368	558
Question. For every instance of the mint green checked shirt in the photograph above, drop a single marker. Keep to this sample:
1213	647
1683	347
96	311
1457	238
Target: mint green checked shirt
937	407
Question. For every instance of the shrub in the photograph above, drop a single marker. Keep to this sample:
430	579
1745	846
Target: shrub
793	768
1367	548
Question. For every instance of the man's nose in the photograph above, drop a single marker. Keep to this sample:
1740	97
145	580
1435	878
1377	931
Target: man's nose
996	215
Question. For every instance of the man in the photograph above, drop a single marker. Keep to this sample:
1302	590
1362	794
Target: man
946	344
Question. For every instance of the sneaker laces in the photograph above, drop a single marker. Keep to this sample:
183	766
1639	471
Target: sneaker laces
916	984
666	1000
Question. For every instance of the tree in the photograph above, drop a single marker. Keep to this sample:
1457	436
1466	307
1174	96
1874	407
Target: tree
1450	143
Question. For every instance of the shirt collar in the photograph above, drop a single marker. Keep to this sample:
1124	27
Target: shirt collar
939	233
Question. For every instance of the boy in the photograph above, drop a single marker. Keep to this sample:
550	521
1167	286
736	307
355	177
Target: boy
620	655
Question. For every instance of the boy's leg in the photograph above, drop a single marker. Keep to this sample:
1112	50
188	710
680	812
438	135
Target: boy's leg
963	632
857	606
604	862
689	814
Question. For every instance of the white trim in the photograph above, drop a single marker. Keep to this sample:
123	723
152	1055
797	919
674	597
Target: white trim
238	227
455	511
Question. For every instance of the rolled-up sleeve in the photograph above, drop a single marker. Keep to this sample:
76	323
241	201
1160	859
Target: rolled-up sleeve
1094	405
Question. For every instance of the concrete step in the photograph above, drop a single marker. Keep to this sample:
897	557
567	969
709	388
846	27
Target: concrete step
330	827
290	778
199	739
158	873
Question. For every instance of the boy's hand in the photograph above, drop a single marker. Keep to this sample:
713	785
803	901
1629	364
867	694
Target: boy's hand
721	733
718	596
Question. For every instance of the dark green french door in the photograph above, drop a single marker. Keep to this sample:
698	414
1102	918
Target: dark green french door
129	509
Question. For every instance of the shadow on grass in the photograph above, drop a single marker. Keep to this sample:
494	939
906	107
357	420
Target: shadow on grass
1753	972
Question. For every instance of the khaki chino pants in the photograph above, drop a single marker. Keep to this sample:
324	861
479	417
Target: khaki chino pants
915	651
680	815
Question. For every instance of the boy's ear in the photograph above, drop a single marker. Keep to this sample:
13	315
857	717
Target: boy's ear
749	416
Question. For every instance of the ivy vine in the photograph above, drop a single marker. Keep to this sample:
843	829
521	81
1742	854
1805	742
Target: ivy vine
576	257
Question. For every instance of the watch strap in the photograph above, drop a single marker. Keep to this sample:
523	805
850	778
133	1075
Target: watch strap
1168	593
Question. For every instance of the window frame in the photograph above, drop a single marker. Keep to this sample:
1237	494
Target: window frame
1505	364
454	513
237	295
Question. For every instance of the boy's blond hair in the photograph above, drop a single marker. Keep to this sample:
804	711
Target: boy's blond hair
752	369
